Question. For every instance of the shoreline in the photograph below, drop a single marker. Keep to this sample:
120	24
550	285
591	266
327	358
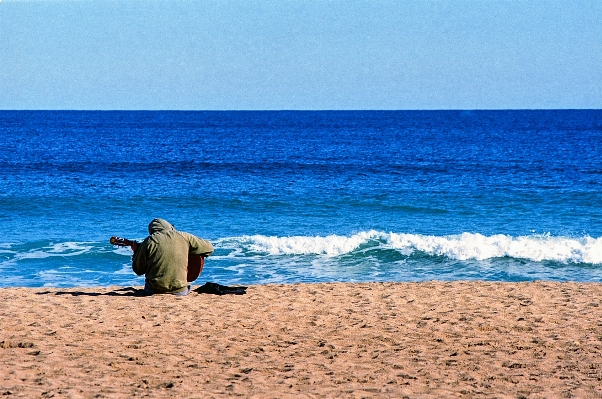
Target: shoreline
420	339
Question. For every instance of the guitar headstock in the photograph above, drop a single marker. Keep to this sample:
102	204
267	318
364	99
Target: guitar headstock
120	242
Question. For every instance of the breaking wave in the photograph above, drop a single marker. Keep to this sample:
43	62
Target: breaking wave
465	246
365	256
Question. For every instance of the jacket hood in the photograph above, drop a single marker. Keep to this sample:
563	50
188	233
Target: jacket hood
159	225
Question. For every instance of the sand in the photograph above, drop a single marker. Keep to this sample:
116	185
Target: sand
375	340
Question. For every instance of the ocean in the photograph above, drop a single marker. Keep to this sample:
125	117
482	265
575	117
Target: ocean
304	196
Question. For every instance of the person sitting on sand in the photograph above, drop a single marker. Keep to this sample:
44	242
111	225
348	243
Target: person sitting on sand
163	258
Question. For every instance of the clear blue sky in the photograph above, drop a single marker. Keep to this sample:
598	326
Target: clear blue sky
230	55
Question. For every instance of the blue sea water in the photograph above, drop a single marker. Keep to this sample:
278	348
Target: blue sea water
305	196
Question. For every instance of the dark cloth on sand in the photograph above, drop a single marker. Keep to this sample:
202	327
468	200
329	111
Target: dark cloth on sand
218	289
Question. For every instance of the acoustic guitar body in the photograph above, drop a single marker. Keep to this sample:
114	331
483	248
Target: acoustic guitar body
195	266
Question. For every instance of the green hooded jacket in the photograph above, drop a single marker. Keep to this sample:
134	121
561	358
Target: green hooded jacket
163	257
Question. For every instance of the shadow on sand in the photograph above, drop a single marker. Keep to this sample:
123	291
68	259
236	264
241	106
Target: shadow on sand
126	291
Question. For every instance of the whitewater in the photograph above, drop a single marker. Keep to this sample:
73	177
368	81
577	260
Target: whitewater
465	246
364	256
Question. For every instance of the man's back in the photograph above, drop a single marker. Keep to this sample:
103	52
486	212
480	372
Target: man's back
163	257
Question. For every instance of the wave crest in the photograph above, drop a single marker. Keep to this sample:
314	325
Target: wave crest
332	245
465	246
479	247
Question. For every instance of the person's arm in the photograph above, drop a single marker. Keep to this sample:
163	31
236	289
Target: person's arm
198	246
138	259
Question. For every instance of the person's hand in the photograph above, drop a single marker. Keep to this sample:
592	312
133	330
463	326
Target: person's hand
134	246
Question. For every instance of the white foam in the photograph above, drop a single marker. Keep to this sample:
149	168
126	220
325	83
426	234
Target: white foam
476	246
61	249
332	245
464	246
125	251
126	269
53	250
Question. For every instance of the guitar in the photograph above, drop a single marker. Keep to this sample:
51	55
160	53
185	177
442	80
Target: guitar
195	262
121	242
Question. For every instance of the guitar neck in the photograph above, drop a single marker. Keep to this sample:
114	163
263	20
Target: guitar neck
121	242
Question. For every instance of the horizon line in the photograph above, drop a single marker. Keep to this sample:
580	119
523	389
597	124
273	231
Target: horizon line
299	110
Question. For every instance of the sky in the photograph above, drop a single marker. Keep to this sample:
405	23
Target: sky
300	55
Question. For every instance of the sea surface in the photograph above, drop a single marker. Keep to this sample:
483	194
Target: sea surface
290	197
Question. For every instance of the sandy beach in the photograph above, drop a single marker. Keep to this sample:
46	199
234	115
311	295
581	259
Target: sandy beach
372	340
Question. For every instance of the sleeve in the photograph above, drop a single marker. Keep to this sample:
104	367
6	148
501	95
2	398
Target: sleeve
198	246
139	260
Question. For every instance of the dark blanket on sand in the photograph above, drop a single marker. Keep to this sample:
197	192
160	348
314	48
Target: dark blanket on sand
218	289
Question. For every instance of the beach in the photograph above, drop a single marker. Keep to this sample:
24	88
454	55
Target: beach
323	340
